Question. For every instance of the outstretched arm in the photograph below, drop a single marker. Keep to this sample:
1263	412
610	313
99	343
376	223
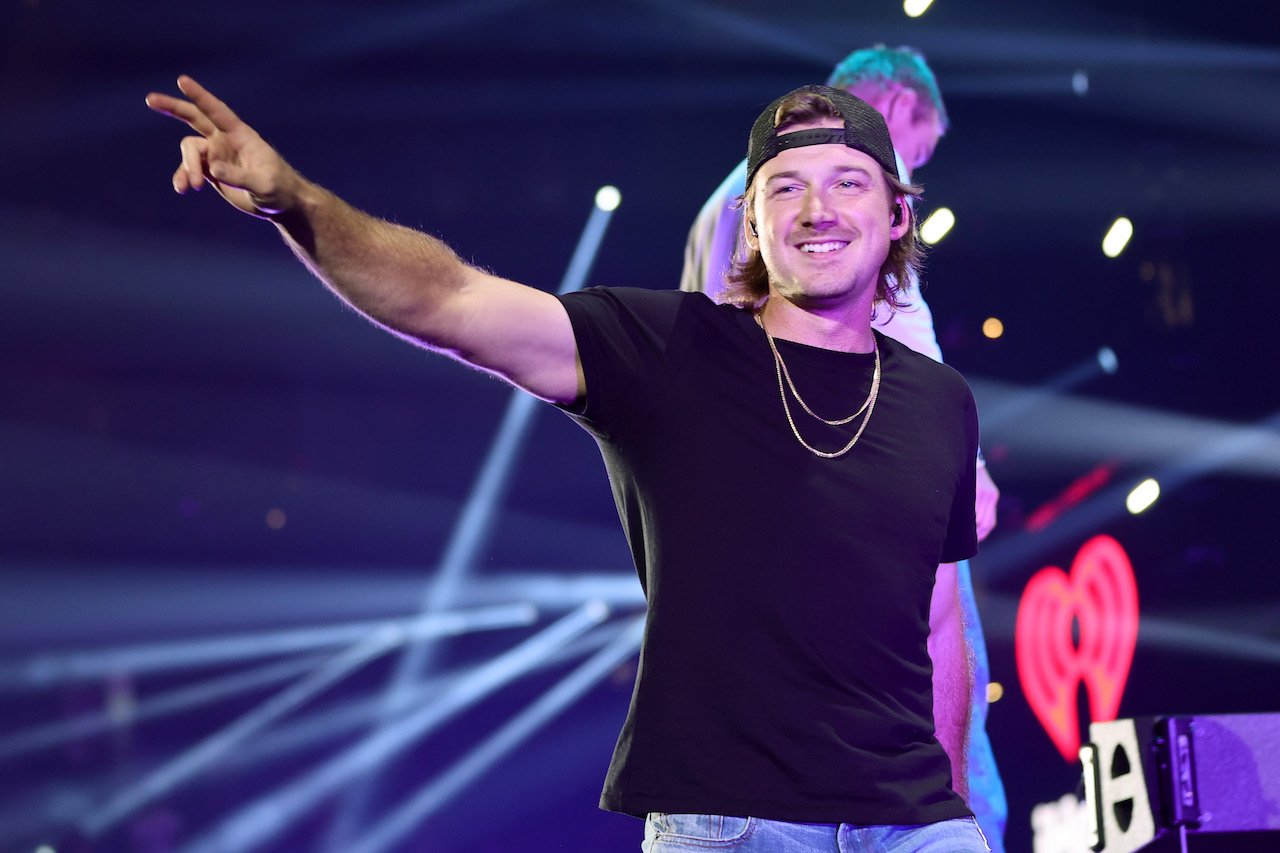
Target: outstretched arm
952	674
405	281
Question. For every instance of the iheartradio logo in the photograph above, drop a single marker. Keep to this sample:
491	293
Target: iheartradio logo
1100	598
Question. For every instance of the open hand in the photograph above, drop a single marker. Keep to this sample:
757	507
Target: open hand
227	154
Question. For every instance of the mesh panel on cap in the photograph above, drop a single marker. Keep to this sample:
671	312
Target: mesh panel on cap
865	129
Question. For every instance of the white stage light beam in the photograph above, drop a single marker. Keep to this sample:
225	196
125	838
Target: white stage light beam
47	670
257	824
392	829
190	763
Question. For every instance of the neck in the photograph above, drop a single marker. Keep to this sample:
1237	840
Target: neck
846	330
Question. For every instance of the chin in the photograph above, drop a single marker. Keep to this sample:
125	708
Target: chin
822	293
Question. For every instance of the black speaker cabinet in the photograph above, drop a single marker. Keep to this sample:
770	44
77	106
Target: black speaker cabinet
1148	777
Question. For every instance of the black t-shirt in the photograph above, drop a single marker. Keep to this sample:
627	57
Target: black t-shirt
784	672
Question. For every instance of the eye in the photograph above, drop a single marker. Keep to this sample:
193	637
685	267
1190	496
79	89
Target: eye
849	184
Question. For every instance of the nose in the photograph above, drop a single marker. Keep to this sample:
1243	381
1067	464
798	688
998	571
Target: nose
817	211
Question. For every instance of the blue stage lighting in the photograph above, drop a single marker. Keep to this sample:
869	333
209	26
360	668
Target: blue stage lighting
197	759
392	829
260	822
476	519
46	670
171	702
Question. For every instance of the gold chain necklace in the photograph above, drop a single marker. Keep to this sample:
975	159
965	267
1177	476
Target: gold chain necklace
784	382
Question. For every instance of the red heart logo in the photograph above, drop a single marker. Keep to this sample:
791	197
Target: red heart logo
1101	596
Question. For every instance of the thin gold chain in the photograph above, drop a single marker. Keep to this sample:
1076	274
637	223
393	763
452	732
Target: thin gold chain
786	374
868	405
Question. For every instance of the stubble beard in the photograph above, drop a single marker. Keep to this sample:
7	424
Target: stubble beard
823	291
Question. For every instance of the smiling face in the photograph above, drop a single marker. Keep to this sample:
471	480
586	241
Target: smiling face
823	220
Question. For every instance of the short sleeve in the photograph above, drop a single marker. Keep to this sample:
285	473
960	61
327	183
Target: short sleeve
623	337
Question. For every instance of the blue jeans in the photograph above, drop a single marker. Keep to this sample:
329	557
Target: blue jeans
669	833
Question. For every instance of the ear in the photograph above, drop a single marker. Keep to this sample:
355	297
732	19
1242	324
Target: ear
906	99
749	232
903	103
900	218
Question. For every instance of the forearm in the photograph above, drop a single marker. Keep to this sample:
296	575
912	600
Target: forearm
403	280
953	677
953	682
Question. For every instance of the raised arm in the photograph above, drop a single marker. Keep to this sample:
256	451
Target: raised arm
405	281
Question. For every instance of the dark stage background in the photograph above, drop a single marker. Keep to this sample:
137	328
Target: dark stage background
200	442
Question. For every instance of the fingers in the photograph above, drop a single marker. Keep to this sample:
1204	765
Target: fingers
232	176
195	150
183	111
217	112
227	155
204	113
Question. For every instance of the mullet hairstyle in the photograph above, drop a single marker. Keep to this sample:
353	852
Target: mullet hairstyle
747	281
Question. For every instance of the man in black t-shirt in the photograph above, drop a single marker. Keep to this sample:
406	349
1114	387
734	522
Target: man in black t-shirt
784	697
899	83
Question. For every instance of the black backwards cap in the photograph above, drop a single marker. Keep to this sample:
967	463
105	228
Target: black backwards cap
864	130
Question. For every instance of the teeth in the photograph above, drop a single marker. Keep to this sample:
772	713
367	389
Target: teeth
822	247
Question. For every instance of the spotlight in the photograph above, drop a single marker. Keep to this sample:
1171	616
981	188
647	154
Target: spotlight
992	327
995	692
915	8
608	198
937	226
1107	361
1080	83
1143	496
1117	237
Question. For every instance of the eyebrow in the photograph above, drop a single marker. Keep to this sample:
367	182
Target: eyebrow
840	170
